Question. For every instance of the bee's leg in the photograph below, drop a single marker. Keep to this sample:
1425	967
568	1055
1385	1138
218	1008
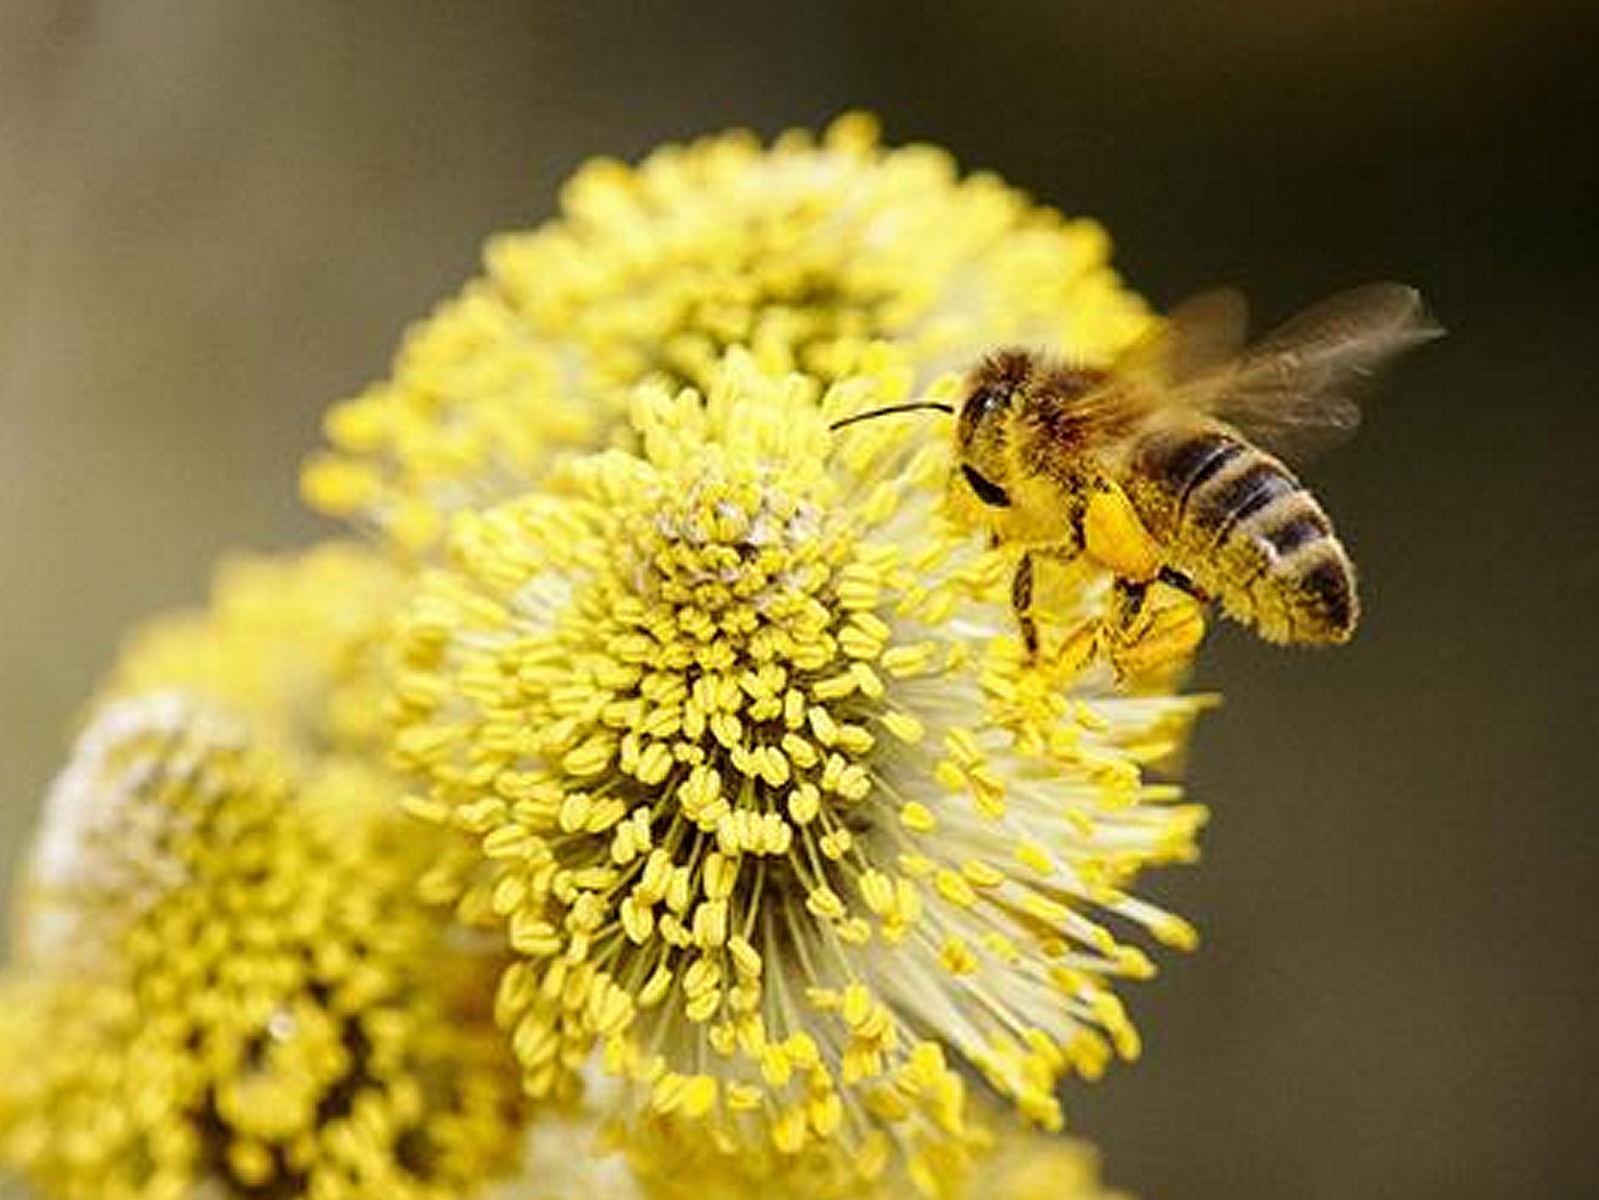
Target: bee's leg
1021	603
1128	609
1142	639
1115	537
1083	641
1176	579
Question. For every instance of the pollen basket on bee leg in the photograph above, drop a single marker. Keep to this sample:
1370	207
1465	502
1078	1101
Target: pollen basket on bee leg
1114	536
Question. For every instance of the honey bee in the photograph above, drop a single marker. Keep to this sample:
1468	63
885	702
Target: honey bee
1163	468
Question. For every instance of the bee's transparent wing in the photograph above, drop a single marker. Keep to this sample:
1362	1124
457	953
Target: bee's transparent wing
1204	334
1195	340
1297	389
1178	365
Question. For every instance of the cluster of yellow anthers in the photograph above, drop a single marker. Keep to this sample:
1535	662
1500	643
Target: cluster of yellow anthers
572	1155
806	252
774	861
1015	1165
767	802
225	979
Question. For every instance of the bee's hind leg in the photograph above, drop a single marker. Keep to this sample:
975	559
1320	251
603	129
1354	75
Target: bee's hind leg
1129	609
1176	579
1140	638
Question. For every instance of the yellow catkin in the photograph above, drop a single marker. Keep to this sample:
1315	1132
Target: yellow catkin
808	252
220	938
733	821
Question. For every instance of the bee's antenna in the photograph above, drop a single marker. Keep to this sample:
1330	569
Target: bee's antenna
939	405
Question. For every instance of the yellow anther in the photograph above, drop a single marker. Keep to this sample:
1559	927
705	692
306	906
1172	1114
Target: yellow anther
954	888
1035	857
804	803
824	902
957	957
904	726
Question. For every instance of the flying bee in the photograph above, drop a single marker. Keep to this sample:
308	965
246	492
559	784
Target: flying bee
1163	467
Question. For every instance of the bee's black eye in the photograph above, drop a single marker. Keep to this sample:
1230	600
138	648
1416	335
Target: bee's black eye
989	493
986	402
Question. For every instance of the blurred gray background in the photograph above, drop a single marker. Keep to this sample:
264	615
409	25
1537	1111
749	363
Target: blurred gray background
214	218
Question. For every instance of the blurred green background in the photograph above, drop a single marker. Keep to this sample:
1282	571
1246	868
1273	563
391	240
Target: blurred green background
216	218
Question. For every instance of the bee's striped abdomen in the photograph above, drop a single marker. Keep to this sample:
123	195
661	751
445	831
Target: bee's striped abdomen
1239	524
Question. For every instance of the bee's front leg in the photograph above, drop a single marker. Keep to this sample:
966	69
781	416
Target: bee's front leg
1021	603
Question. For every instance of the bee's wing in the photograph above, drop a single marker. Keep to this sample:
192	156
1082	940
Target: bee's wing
1296	389
1205	333
1177	365
1201	335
